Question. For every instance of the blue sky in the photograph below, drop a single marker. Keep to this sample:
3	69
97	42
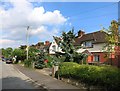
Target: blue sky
88	16
47	19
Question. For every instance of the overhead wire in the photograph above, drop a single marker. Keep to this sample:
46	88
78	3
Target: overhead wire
93	9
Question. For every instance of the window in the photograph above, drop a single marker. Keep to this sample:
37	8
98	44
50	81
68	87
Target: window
96	58
54	48
87	44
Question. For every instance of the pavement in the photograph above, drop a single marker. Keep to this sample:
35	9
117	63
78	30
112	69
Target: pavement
43	79
12	78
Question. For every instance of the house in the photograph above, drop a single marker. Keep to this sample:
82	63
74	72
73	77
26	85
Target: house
46	46
54	47
92	44
40	46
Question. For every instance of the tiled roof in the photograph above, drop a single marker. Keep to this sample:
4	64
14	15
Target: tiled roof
97	37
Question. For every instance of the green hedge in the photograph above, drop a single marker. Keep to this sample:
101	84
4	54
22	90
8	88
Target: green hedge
106	76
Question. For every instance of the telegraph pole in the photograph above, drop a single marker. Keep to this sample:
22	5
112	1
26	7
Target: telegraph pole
27	38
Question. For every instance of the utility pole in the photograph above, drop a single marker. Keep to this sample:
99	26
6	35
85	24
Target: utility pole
27	38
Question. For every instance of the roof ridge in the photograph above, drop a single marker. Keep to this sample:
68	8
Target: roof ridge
94	32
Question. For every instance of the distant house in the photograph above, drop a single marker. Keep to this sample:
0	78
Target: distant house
54	47
92	44
40	46
46	46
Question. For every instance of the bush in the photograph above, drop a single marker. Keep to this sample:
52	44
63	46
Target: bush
39	61
67	69
106	76
49	58
28	63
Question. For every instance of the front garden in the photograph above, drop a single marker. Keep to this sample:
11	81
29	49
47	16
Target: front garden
107	77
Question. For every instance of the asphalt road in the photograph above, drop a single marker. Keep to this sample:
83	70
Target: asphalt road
14	79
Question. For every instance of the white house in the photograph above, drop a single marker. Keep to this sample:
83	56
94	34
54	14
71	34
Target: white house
54	47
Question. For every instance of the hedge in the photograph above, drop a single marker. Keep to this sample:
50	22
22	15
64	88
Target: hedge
106	76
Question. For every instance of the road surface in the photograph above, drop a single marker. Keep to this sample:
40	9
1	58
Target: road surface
14	79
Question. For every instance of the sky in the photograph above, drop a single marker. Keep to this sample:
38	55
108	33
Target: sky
48	19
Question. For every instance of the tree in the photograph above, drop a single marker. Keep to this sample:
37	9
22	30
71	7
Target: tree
112	39
7	52
67	45
3	51
32	53
21	55
39	60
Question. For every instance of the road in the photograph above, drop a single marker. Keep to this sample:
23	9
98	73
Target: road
14	79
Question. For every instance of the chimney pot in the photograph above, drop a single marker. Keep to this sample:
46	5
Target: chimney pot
81	33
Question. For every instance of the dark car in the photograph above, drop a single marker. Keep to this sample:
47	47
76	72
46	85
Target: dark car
8	61
3	59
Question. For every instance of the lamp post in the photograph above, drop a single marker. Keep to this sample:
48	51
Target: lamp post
27	37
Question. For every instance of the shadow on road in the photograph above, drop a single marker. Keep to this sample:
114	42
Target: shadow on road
16	84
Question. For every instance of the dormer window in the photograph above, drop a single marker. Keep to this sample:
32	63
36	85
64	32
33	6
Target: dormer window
87	44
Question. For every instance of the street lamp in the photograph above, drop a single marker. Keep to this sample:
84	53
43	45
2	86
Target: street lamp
27	37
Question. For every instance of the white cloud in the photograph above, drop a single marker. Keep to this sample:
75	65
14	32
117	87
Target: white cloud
43	34
38	31
39	15
15	20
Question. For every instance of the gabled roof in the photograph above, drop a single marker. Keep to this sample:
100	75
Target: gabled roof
57	39
97	37
87	52
47	46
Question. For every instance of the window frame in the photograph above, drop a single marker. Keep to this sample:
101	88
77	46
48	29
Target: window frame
84	44
98	58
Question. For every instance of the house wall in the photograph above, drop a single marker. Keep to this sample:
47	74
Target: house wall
102	58
96	48
90	59
112	60
52	50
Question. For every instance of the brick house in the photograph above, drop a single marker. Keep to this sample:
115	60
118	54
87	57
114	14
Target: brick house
92	44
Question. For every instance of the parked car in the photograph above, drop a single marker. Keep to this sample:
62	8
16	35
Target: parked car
39	65
8	61
3	59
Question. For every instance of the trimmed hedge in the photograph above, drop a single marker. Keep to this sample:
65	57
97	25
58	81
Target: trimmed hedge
106	76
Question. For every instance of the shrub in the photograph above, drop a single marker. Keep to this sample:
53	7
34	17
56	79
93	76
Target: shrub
67	69
106	76
28	63
49	58
39	61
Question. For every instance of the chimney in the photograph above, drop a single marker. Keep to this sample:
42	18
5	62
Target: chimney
81	33
47	43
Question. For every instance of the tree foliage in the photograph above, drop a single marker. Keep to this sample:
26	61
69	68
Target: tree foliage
112	45
112	37
32	52
7	52
67	45
19	53
39	60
